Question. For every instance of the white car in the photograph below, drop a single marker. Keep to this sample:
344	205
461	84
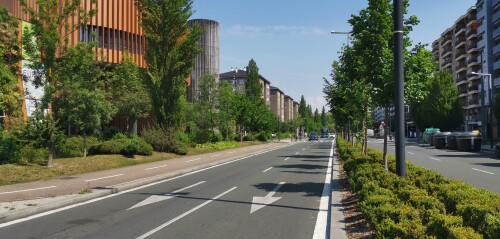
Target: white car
331	135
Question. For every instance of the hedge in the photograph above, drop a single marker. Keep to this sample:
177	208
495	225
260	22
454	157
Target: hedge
422	205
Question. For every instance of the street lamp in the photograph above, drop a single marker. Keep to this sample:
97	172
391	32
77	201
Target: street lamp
343	33
490	100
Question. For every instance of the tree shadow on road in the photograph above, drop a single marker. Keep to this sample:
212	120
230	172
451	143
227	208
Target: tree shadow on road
309	189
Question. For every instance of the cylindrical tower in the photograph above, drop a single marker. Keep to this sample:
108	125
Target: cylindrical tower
207	61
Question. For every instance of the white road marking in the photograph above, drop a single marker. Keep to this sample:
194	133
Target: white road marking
156	167
260	202
267	169
296	153
27	190
196	159
410	153
435	159
215	155
159	198
321	228
482	171
129	190
303	149
184	214
287	158
112	176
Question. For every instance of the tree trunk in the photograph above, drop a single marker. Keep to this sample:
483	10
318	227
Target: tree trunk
84	145
133	127
385	138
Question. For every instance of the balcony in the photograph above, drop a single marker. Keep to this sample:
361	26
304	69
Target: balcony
470	33
460	54
472	62
460	81
446	40
446	51
446	62
471	47
473	90
460	30
435	47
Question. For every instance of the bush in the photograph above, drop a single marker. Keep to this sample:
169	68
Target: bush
262	136
9	149
113	146
164	141
30	154
108	133
124	146
422	205
137	146
249	137
73	146
219	145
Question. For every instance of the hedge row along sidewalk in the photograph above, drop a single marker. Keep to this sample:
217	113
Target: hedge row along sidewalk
422	205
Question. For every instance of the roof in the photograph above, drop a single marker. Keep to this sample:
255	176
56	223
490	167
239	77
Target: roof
238	74
272	88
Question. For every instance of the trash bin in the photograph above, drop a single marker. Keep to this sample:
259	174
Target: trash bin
452	140
427	135
469	141
431	137
440	140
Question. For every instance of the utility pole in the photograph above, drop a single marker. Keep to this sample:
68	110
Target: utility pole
399	94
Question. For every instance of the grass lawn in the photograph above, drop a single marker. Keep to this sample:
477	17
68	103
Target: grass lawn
12	173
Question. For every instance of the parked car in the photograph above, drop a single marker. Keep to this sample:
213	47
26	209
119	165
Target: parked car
313	136
331	135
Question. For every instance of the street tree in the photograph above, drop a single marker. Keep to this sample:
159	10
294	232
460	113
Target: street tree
42	42
226	109
82	90
253	88
441	108
170	53
129	93
206	108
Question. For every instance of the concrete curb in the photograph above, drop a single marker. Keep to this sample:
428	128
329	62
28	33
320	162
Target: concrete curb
337	219
68	200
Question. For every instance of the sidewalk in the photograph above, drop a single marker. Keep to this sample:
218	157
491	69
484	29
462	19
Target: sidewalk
26	199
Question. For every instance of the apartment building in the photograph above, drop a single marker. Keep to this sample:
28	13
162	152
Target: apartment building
278	103
295	110
238	77
457	51
288	108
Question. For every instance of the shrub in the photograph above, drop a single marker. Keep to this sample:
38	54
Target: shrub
9	148
30	154
219	145
73	146
108	133
137	146
164	141
262	136
249	137
114	146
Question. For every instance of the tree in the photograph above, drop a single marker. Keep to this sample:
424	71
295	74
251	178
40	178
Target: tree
129	93
82	90
9	56
226	108
206	107
441	108
253	88
323	117
170	53
44	40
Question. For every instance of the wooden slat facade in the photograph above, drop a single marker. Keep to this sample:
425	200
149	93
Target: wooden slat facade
118	20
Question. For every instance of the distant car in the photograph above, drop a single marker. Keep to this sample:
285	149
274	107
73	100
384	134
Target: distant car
313	136
323	135
331	135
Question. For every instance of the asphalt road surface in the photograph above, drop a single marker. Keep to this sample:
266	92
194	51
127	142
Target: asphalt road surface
480	169
275	194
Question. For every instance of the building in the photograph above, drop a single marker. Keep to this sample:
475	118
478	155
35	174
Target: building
288	108
457	50
296	110
278	103
207	61
488	18
238	77
116	29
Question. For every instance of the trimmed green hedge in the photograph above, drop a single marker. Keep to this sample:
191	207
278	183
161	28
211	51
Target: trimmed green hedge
125	146
222	145
422	205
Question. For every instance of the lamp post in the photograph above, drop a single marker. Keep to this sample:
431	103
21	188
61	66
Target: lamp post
343	33
490	100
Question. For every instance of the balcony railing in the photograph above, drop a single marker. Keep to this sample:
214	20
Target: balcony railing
446	50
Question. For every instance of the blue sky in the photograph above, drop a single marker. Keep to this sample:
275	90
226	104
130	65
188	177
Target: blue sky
290	39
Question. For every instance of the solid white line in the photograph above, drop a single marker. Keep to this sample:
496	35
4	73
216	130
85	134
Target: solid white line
411	153
156	167
26	190
95	179
296	153
303	149
196	159
267	169
184	214
129	190
321	228
287	158
435	159
482	171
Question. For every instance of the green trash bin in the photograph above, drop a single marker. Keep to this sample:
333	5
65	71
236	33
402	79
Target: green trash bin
428	135
469	141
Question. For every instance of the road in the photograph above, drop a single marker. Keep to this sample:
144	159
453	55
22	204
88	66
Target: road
480	169
275	194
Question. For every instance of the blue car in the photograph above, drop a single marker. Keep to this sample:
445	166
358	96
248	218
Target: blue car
313	136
